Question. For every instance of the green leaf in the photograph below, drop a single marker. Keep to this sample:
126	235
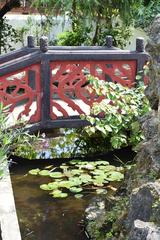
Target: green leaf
115	176
76	189
108	128
56	175
34	171
44	173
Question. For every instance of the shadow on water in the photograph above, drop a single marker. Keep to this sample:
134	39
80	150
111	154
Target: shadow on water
42	217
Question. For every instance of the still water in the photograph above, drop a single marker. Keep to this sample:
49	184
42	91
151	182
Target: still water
42	217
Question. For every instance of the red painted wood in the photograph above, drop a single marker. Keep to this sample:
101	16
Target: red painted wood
69	81
21	91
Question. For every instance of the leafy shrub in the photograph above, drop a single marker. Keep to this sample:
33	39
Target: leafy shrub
74	38
12	140
8	36
145	13
115	118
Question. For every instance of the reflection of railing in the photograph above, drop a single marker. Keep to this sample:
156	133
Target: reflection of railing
49	84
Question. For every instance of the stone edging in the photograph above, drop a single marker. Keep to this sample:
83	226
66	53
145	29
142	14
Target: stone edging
8	217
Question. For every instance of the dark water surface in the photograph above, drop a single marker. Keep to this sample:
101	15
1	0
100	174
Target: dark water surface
42	217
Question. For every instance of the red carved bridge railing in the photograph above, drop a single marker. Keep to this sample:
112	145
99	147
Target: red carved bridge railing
48	85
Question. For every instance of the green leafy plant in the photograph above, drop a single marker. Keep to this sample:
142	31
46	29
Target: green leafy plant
74	38
145	13
8	36
12	139
78	177
120	110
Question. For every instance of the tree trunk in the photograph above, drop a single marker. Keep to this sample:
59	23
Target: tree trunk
9	6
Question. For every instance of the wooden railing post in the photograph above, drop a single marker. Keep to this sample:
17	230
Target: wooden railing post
44	44
109	41
139	44
30	42
45	82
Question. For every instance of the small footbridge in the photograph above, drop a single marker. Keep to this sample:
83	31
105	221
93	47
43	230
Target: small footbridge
48	85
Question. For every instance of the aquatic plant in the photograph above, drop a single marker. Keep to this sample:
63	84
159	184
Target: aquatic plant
76	177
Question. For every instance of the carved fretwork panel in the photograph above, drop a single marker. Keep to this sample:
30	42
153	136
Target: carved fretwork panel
69	85
21	90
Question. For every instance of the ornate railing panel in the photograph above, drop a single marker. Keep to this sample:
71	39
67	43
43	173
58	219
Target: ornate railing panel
69	84
21	91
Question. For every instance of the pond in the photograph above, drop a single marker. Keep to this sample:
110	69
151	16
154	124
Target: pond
40	215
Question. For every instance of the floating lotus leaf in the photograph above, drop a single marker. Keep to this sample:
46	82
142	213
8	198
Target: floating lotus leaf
89	166
98	181
56	192
85	178
102	163
75	181
99	177
45	187
76	189
59	194
62	195
53	185
115	176
44	173
97	172
76	171
120	169
78	196
34	171
65	184
107	168
56	175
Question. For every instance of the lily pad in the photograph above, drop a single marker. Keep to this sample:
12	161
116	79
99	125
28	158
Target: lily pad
59	194
65	184
76	189
115	176
75	181
53	185
102	163
76	171
97	172
34	171
56	175
107	168
85	178
44	173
